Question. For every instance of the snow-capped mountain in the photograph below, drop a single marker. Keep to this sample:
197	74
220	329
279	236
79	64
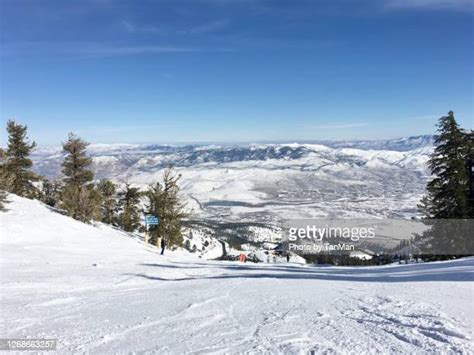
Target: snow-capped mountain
49	158
257	185
116	160
399	144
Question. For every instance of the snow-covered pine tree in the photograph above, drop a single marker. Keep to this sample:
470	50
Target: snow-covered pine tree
18	164
165	202
108	192
129	200
79	198
448	191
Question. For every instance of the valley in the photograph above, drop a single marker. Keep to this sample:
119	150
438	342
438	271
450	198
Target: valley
252	187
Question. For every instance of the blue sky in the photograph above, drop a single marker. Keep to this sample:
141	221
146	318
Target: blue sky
235	70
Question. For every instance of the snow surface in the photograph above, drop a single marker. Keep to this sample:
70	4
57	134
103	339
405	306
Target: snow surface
99	290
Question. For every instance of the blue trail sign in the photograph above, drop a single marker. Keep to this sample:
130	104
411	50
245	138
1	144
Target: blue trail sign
152	220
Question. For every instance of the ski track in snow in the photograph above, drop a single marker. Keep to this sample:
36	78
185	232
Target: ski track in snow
98	291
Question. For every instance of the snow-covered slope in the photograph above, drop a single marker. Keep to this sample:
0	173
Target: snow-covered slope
33	233
97	290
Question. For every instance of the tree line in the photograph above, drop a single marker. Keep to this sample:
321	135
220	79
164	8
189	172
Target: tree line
78	195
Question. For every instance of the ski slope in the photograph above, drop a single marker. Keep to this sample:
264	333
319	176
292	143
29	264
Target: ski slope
99	290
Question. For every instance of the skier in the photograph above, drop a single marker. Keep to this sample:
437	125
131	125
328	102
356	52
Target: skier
288	257
163	245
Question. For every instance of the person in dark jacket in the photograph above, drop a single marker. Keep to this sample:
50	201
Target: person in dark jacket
163	245
288	257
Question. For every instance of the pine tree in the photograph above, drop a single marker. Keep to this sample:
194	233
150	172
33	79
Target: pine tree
49	192
82	203
174	208
79	198
156	207
446	203
69	201
470	166
165	202
76	162
129	200
5	181
448	190
18	163
108	191
3	194
93	203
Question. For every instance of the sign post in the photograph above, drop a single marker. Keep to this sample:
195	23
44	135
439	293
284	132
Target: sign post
150	220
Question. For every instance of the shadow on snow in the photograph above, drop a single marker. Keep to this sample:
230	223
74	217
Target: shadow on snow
400	273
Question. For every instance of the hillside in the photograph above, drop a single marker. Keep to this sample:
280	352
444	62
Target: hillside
98	290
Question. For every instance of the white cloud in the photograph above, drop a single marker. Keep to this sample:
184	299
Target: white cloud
98	48
125	50
207	27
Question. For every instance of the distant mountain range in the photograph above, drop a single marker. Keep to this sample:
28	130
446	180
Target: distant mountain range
239	193
121	157
399	144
